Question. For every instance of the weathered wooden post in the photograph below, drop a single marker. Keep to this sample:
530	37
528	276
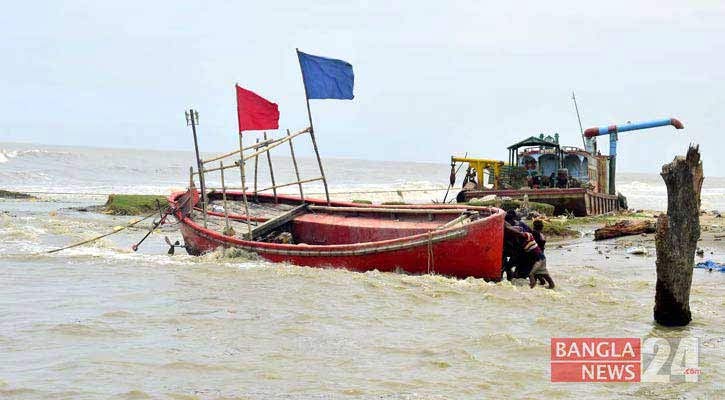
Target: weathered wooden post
677	235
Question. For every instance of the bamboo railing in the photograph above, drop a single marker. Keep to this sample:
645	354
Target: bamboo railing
239	157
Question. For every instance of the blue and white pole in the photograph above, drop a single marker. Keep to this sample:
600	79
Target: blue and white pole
613	130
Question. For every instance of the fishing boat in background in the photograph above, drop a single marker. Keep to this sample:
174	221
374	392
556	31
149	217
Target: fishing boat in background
574	180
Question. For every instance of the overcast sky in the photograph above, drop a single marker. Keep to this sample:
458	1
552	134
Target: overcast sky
431	78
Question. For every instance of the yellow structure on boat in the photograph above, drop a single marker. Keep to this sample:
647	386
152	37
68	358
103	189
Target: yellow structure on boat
480	164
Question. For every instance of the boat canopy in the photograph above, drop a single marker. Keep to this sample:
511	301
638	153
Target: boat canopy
534	141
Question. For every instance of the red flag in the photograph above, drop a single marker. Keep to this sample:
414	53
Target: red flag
255	112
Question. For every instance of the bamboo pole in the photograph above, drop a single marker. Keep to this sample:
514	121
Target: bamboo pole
234	152
271	171
227	229
214	189
218	168
277	143
244	183
292	183
256	165
266	149
297	171
319	163
193	117
312	130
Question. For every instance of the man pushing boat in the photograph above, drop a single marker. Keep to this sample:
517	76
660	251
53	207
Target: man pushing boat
523	255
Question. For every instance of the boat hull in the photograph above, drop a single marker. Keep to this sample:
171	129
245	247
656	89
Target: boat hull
470	250
578	201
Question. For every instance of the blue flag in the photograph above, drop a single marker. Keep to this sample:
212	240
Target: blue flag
326	78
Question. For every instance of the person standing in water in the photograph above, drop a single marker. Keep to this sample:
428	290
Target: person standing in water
534	257
537	232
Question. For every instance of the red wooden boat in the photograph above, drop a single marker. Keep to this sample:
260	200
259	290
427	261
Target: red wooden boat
453	240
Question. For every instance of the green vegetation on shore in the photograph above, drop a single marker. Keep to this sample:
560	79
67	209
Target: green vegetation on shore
559	229
542	208
7	194
133	204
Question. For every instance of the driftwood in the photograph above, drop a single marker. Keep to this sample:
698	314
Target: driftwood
624	228
677	235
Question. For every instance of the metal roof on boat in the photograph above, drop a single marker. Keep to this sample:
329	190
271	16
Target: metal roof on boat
533	141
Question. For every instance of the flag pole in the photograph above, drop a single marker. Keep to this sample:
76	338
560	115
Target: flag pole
242	168
192	119
312	130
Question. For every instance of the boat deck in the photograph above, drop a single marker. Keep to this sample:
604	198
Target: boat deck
452	240
259	212
327	225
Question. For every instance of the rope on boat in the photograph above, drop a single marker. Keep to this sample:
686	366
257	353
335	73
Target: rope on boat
101	236
154	226
431	265
457	234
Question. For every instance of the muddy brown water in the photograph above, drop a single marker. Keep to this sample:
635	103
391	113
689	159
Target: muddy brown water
101	321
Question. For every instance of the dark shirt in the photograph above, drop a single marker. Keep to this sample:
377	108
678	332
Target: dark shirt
523	226
539	237
526	263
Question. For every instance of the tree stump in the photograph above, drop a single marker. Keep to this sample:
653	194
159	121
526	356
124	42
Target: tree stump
676	238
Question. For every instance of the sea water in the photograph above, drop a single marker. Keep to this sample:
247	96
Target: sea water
102	321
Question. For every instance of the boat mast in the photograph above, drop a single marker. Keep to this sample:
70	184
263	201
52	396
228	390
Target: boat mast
581	128
192	119
312	131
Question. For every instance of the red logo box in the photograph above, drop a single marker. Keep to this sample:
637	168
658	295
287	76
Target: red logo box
596	359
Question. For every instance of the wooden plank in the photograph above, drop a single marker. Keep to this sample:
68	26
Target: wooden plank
461	219
278	221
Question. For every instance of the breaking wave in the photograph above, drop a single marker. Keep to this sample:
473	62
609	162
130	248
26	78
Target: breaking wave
8	155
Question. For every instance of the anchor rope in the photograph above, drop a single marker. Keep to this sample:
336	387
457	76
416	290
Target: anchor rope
166	211
122	228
